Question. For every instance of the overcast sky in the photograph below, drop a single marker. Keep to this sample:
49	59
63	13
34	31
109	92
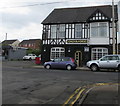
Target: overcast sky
22	19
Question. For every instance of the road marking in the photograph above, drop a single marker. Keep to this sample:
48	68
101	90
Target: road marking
78	96
76	91
84	95
80	90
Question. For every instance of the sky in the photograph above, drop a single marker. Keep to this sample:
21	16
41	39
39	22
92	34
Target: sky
22	19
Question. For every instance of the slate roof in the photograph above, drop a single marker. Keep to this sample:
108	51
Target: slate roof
7	42
29	41
79	14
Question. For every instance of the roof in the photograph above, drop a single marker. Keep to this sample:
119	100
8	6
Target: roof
78	14
7	42
6	47
29	41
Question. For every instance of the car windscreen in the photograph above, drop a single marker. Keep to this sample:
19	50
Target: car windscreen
65	59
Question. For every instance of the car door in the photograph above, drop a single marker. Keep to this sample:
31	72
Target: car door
63	62
55	63
113	61
104	62
109	62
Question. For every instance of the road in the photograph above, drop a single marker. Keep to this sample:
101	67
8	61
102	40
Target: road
28	85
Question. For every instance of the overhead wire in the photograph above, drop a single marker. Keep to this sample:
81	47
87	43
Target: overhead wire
37	4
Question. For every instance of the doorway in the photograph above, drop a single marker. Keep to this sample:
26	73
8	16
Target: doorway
78	58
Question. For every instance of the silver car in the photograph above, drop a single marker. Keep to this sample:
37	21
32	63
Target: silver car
106	62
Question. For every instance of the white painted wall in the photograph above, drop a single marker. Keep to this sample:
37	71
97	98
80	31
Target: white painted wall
99	41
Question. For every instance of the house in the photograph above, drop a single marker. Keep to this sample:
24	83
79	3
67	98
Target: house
14	42
84	33
31	43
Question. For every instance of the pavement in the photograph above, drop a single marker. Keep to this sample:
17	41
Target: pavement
78	68
104	94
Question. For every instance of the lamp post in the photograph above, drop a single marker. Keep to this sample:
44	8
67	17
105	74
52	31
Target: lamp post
113	27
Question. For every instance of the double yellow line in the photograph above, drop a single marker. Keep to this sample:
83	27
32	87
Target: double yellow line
77	93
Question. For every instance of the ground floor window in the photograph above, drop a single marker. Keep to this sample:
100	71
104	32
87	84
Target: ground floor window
98	53
57	52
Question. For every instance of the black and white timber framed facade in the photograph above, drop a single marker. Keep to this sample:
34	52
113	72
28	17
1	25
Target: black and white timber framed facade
83	33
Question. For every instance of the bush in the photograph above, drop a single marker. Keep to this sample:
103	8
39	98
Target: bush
33	51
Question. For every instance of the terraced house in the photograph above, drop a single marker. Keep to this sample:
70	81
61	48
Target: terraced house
84	33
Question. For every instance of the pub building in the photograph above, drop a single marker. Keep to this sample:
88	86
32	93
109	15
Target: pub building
84	33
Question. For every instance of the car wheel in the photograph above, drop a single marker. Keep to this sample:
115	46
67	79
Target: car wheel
30	59
68	67
48	66
119	68
94	67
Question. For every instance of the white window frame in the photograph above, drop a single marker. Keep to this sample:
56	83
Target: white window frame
78	31
57	52
61	31
98	31
97	53
58	31
53	31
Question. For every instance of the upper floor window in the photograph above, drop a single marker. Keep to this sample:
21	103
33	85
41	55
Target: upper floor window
61	31
53	31
99	29
58	31
78	30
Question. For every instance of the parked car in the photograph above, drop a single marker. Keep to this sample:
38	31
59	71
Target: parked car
106	62
63	62
29	57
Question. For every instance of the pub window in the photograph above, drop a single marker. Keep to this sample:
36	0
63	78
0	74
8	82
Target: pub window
78	30
57	52
98	53
61	31
99	29
53	31
47	31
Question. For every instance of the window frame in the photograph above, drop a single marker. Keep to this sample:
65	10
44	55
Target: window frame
78	30
53	31
61	31
57	52
57	31
98	29
97	54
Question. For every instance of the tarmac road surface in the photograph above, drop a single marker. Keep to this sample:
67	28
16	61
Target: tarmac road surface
29	85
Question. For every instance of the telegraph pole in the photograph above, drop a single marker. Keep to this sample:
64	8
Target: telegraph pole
113	27
6	36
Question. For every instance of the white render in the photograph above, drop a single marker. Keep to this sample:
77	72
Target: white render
99	41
